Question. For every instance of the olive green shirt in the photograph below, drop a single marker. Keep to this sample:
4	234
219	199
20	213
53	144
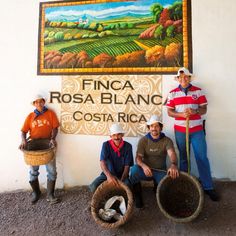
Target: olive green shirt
154	153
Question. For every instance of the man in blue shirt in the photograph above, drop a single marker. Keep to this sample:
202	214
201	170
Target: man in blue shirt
115	159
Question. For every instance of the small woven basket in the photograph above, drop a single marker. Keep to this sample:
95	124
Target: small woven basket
38	152
180	199
104	192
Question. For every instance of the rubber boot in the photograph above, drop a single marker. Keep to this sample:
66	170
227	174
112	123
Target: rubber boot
137	191
35	195
50	192
154	187
213	195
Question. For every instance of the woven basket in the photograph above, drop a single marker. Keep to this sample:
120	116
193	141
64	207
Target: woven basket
38	152
104	192
181	199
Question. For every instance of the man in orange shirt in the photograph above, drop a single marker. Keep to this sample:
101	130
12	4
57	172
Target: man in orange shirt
41	124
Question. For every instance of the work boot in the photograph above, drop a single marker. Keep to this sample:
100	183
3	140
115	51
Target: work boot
35	195
137	191
50	192
213	195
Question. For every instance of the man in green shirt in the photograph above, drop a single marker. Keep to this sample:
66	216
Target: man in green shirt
151	155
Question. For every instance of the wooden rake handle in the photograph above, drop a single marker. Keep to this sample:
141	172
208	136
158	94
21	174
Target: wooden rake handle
187	144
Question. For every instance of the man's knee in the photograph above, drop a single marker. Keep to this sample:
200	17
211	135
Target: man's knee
135	174
92	187
135	170
99	180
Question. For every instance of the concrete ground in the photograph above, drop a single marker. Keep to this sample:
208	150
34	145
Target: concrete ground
73	217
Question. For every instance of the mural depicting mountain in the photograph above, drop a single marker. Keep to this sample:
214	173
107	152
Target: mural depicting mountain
105	17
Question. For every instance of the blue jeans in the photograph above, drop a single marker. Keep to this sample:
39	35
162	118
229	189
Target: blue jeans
100	179
198	141
50	168
137	175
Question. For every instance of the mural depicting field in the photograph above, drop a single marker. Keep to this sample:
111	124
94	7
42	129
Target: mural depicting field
113	35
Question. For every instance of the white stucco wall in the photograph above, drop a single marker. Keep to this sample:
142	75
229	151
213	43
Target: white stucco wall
214	50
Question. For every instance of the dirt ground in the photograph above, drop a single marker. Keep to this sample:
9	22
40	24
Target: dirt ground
73	217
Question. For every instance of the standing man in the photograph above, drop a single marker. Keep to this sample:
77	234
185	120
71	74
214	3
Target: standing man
151	158
188	101
115	159
42	123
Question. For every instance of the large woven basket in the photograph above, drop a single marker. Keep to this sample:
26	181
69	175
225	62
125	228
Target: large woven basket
104	192
38	152
181	199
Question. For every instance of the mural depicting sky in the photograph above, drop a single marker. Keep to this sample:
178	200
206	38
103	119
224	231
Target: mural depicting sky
104	11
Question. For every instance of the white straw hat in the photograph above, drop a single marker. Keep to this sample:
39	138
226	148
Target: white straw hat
185	71
116	129
37	97
154	119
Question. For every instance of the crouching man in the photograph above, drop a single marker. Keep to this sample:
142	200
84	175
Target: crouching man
115	159
151	158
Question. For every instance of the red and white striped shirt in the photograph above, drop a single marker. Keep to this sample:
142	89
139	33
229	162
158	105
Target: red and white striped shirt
179	101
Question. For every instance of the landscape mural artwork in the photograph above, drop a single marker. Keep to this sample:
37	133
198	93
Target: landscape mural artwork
114	37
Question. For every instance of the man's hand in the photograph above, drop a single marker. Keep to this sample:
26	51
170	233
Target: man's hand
52	143
23	144
147	171
110	178
23	141
113	180
173	171
189	111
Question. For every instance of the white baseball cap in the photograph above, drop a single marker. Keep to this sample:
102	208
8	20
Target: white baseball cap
37	97
154	119
116	129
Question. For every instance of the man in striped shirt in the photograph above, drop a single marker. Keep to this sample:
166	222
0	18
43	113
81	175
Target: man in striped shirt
188	101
